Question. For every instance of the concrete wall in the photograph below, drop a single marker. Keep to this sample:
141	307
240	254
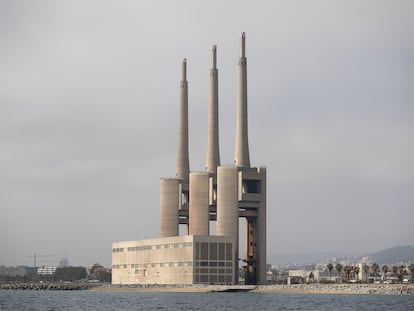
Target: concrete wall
174	260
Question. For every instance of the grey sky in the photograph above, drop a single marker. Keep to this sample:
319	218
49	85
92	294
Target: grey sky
89	107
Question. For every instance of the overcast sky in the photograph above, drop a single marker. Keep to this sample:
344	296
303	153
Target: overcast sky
89	119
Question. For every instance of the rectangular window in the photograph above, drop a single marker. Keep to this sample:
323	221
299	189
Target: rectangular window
251	186
213	251
204	251
197	251
221	251
229	248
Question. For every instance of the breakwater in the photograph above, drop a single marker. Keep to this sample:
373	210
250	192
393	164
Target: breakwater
381	289
367	289
44	286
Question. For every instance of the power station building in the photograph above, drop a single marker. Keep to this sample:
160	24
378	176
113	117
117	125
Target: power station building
193	199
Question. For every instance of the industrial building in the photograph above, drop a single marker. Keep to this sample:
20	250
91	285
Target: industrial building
193	199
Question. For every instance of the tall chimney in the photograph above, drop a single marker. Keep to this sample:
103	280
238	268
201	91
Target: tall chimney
213	152
183	163
241	155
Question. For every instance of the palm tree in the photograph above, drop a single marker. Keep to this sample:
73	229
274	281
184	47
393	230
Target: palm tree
366	270
338	268
411	268
375	269
402	272
384	269
394	270
330	267
347	270
356	272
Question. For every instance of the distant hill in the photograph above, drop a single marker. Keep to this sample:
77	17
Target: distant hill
393	255
388	256
303	258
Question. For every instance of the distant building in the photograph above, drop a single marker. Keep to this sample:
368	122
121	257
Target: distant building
302	276
64	262
19	271
46	270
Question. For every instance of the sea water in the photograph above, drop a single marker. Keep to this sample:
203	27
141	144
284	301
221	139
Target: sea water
119	300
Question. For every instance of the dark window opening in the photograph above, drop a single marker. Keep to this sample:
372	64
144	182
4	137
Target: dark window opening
251	186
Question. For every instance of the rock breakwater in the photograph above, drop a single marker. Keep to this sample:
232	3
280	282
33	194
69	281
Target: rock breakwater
44	286
382	289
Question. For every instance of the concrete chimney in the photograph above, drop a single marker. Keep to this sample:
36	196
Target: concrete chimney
183	163
241	156
213	151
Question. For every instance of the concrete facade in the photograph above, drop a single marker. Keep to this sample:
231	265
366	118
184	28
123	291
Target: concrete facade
187	259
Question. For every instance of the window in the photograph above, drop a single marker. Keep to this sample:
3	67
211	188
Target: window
229	248
204	250
251	186
213	251
221	251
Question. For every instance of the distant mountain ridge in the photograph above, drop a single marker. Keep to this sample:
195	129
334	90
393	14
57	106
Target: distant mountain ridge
393	255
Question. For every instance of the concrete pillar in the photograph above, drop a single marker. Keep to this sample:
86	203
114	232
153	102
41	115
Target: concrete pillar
261	228
228	209
198	210
169	201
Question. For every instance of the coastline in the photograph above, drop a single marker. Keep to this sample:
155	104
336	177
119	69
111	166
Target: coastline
349	289
315	288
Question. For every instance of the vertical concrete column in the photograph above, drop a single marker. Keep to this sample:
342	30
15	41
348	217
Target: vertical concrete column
169	200
198	210
228	208
261	228
213	153
241	155
183	163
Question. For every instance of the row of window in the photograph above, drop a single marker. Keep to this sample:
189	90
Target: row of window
155	265
214	263
149	247
213	251
213	271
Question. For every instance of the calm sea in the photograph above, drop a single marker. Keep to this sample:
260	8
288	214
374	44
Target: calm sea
95	300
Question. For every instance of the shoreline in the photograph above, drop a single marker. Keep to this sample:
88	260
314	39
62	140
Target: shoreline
315	288
348	289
